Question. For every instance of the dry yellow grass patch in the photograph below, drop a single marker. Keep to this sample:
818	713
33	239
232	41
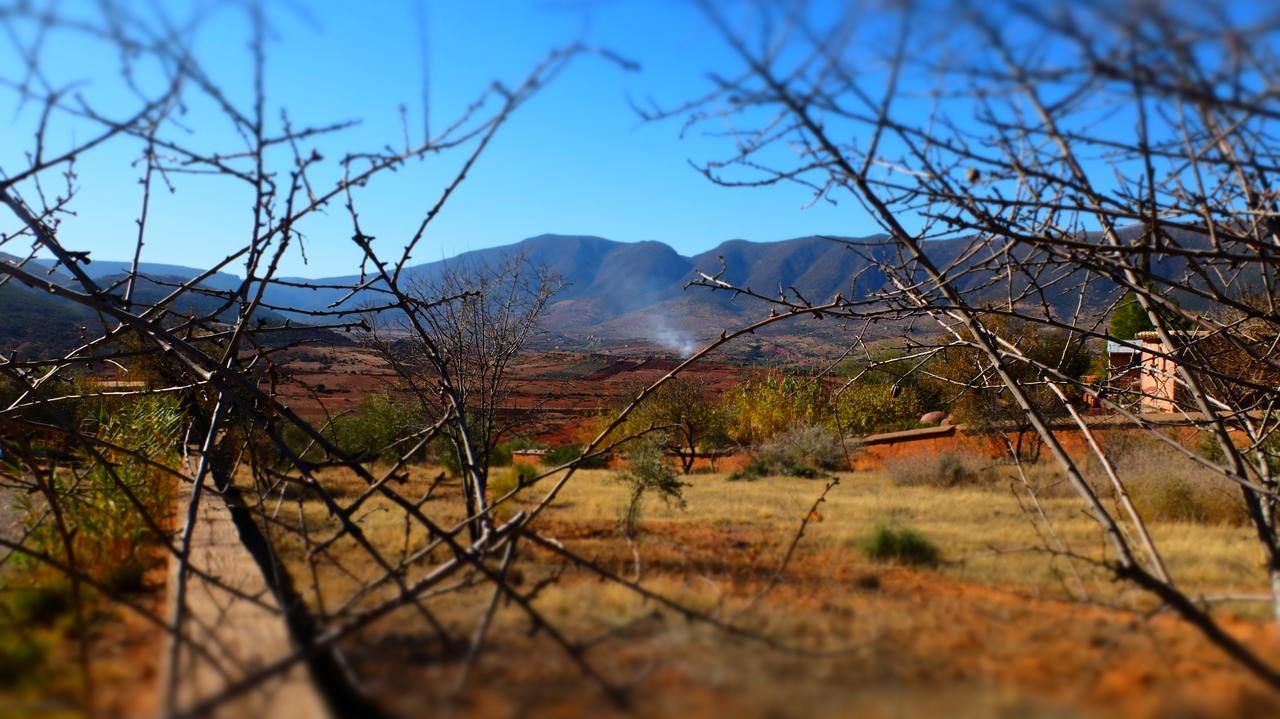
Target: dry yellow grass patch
910	641
985	534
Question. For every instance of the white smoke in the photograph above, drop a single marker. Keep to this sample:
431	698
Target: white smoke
662	333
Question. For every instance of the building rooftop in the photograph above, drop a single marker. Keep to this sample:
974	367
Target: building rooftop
1153	336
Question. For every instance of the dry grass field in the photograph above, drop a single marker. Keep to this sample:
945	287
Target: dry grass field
988	630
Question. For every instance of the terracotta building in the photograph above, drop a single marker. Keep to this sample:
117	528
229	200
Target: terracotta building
1150	369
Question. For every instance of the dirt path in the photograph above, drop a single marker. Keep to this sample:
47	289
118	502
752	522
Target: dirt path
240	635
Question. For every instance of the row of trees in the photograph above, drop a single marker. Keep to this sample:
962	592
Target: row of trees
856	398
683	415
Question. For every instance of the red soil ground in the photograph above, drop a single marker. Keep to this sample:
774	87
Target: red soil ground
559	389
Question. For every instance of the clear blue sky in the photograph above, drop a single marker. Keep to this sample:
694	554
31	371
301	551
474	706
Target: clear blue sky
576	160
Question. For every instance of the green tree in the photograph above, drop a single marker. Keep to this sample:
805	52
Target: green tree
771	404
648	474
965	374
868	407
685	414
763	406
1129	318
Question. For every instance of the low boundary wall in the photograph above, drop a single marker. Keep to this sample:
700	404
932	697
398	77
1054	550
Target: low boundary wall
871	452
877	449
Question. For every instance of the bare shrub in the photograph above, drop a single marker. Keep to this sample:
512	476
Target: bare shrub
1055	214
1168	486
1047	481
803	451
949	469
1164	484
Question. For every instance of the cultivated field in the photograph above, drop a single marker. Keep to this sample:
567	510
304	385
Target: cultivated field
552	391
984	631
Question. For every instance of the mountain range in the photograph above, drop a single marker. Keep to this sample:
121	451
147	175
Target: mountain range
620	290
613	291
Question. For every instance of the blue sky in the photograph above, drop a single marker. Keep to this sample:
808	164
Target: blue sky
576	160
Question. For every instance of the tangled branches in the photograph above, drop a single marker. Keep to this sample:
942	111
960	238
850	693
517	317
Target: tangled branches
1032	168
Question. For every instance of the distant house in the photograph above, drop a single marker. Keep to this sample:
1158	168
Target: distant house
112	377
1123	362
1158	373
1149	370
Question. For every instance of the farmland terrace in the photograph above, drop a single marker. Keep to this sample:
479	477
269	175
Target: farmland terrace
555	389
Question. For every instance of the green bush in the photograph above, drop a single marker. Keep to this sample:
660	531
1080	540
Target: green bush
103	511
750	473
773	404
42	604
867	408
500	455
375	429
444	453
520	443
899	545
569	452
770	404
108	531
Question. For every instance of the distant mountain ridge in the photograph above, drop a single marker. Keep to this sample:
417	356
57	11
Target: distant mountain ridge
636	290
614	290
